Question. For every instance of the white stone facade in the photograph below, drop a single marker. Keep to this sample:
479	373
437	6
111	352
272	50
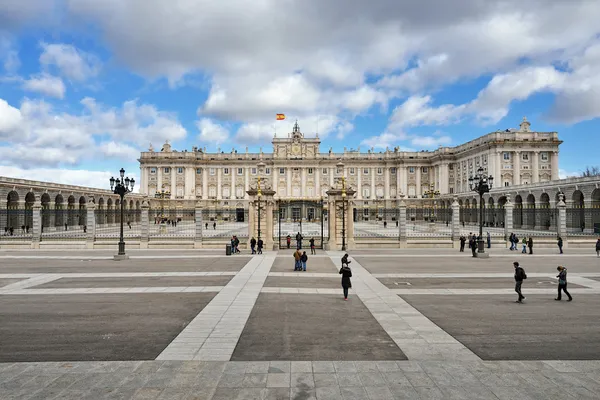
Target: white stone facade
298	169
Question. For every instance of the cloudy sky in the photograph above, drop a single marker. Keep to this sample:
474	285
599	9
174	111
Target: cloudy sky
85	85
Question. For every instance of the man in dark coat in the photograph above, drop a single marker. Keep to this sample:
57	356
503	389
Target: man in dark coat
562	283
346	273
530	245
463	239
520	276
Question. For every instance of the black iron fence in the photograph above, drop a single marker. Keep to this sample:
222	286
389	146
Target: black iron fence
370	222
583	221
176	223
224	223
17	223
108	224
428	222
63	224
306	218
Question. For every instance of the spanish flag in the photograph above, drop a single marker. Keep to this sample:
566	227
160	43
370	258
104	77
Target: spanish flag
280	117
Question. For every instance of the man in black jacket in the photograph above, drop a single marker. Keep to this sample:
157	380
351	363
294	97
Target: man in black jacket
520	276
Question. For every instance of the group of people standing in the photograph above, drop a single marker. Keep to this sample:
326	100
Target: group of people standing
520	276
254	244
300	259
473	239
526	243
299	239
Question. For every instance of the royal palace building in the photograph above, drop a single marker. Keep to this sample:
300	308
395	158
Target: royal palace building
297	169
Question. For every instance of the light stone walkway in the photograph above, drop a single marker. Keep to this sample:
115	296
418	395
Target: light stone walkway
214	333
418	337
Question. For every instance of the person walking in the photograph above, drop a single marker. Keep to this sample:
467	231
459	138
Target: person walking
463	239
288	240
346	273
297	262
312	246
473	246
520	276
253	245
530	245
598	248
303	260
562	283
299	241
559	243
489	240
259	244
524	243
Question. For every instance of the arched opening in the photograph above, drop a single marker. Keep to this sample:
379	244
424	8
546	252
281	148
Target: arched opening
595	211
109	215
100	212
82	211
529	212
47	213
138	212
491	213
545	213
59	211
474	212
72	212
576	212
518	212
117	212
12	213
29	201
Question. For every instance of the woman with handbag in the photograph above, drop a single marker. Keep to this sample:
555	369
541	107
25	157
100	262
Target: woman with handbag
346	273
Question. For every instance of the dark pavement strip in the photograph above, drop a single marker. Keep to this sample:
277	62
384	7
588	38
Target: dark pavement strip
466	283
496	328
136	282
94	327
221	264
300	327
303	282
314	264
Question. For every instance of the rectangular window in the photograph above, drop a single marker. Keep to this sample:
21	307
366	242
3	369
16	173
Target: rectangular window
212	171
167	170
484	160
366	192
324	171
225	192
366	171
506	183
411	170
424	170
310	171
152	170
451	190
268	171
198	171
506	156
239	192
212	191
379	171
180	170
240	171
253	171
393	171
525	156
281	171
226	171
339	171
544	156
351	171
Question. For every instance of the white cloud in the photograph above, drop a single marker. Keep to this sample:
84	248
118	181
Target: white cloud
430	141
46	84
71	62
79	177
10	120
212	132
119	150
417	111
562	174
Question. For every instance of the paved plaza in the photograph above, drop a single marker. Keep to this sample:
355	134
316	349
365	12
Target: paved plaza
196	324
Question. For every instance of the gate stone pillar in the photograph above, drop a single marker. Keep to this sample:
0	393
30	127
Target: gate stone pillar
402	234
198	225
350	243
337	204
90	225
37	223
508	219
561	223
455	222
3	215
267	231
145	224
331	223
267	205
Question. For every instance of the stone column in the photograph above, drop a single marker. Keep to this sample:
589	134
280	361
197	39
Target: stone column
145	225
252	224
404	180
233	194
173	182
535	166
205	183
386	171
219	182
455	222
516	168
303	181
159	180
402	235
199	226
90	235
350	243
317	181
588	216
359	183
246	182
398	183
373	191
268	238
288	170
561	223
3	215
37	224
508	218
554	165
331	173
418	181
275	180
332	216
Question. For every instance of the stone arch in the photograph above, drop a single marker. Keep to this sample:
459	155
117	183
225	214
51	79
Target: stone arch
109	215
28	217
46	211
82	211
529	213
518	212
577	212
595	197
545	213
12	211
59	212
72	212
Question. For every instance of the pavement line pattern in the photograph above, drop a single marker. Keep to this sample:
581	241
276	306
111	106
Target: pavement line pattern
115	290
118	274
305	274
287	290
462	255
46	257
467	275
27	283
507	291
214	333
418	337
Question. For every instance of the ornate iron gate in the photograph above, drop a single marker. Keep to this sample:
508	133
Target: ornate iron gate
304	217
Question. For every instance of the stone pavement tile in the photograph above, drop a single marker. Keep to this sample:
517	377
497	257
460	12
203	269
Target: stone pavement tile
462	376
148	367
118	393
366	366
419	379
302	381
254	381
278	380
562	366
396	378
439	375
548	393
326	366
586	366
201	393
329	393
379	393
325	380
387	366
87	381
453	392
580	392
16	382
302	394
429	393
257	367
353	393
275	394
512	393
564	379
409	366
226	394
301	366
348	379
401	392
478	392
79	394
344	366
536	379
146	394
193	366
46	393
280	367
235	367
173	393
371	379
231	381
183	380
170	366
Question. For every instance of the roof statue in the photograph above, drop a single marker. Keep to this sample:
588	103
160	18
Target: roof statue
151	148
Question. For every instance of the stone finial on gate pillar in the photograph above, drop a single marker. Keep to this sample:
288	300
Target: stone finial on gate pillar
198	225
401	221
561	218
145	223
90	220
508	218
37	221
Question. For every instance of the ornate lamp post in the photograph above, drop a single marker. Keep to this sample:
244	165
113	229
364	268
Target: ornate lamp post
122	187
431	193
480	184
343	213
259	195
162	195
